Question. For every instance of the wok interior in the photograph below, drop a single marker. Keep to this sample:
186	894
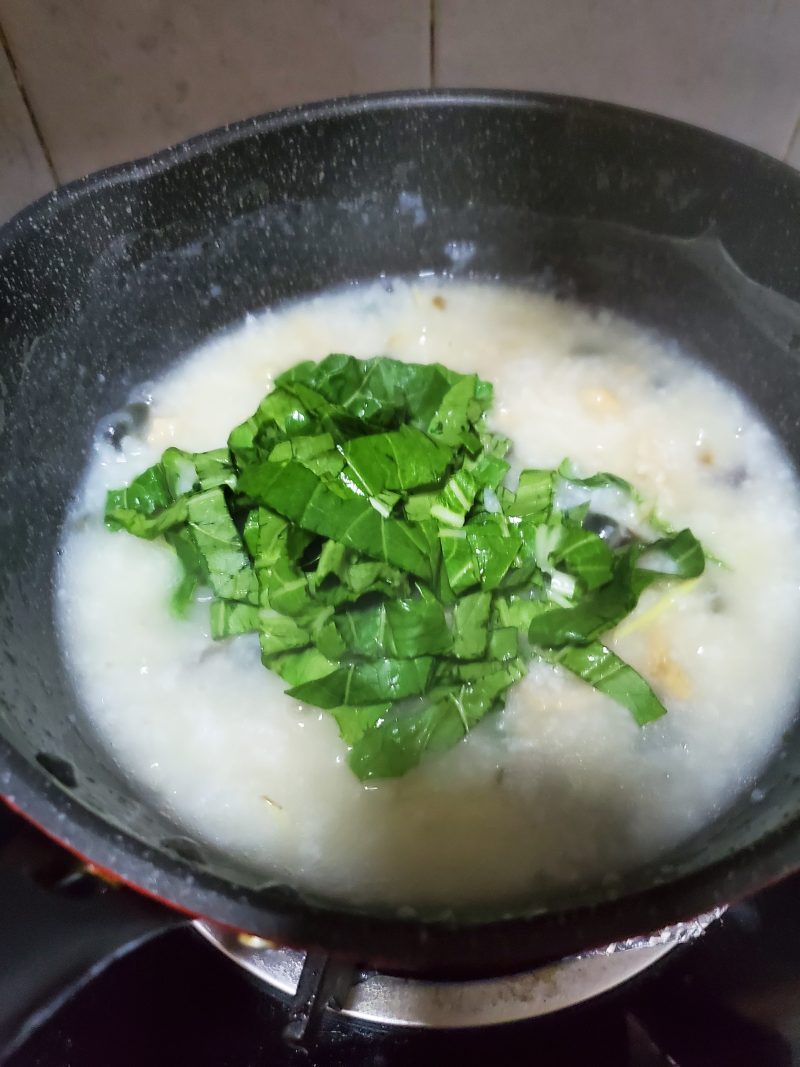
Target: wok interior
108	284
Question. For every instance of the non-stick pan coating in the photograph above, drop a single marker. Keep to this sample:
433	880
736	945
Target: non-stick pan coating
107	282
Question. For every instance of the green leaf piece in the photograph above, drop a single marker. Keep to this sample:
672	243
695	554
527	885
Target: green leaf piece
368	683
605	671
359	522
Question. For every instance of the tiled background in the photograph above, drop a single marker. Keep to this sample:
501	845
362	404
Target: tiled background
86	83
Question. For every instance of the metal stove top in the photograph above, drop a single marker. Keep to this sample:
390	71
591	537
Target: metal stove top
376	998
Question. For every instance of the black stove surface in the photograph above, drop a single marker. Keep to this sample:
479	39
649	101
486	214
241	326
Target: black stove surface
731	998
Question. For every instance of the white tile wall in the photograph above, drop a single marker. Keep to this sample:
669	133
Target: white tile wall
24	173
113	79
730	65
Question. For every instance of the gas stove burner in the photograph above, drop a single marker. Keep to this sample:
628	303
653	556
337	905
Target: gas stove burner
372	997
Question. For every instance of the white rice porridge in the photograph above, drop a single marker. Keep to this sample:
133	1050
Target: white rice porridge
562	788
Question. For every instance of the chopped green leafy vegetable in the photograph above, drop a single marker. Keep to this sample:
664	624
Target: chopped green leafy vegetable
604	670
533	498
471	625
401	459
359	523
679	556
230	573
400	629
368	683
324	508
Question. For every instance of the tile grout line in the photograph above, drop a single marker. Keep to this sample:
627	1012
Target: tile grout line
432	45
4	45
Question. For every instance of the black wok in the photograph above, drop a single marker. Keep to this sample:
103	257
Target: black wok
106	282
